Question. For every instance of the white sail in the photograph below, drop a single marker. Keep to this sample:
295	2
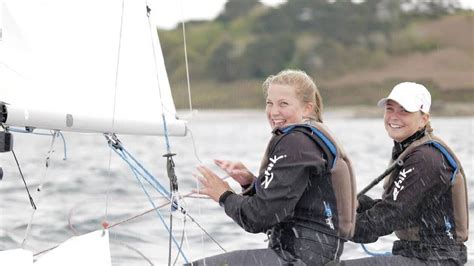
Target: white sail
18	257
86	66
89	249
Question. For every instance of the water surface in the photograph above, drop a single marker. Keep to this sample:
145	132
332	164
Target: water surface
94	185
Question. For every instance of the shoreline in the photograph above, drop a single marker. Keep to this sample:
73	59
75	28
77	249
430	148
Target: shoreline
448	109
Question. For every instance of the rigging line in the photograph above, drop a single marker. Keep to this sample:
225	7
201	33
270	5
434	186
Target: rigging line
118	147
75	232
173	182
170	239
186	59
113	111
125	155
137	251
194	145
163	193
148	10
12	129
74	209
64	145
24	182
182	240
40	186
46	250
11	69
163	205
143	213
196	180
204	230
159	215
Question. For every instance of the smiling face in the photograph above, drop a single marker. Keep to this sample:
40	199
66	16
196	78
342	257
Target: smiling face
401	124
283	107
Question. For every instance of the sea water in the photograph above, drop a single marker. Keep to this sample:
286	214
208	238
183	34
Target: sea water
93	185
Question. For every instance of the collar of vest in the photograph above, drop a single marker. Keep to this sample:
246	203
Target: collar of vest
399	147
325	139
429	139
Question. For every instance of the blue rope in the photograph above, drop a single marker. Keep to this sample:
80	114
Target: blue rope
126	156
157	184
376	254
42	134
159	214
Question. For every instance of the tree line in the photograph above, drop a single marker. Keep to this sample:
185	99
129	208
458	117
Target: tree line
249	40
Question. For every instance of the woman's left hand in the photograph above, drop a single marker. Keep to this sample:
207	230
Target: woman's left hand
212	185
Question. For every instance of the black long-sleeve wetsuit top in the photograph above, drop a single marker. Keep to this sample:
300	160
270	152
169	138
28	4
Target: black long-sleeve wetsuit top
294	185
418	200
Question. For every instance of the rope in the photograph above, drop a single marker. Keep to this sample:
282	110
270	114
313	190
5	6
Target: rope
183	234
137	251
163	205
159	215
64	145
40	186
119	49
32	202
42	134
146	175
186	59
165	128
142	172
173	183
194	145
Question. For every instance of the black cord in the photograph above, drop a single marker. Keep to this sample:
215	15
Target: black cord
24	182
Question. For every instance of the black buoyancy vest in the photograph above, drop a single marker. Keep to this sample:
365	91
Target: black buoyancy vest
342	175
458	188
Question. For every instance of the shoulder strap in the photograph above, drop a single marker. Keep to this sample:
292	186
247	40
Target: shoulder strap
322	139
436	142
448	157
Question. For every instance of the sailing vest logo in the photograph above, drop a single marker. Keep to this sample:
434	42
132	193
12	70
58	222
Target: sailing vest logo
268	171
402	175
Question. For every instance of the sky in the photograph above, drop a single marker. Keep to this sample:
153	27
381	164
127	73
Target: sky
168	13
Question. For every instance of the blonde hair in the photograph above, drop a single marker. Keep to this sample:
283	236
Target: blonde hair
305	88
429	128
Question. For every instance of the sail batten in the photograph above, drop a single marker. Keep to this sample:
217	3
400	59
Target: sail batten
66	61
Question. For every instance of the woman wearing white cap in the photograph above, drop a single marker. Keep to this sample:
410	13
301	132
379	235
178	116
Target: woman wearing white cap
424	200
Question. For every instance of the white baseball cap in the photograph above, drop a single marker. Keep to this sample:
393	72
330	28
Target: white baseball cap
412	96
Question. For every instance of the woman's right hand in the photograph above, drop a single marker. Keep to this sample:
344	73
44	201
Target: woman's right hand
237	171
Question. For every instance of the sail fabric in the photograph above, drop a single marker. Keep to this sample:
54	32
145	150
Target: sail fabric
18	257
89	65
89	249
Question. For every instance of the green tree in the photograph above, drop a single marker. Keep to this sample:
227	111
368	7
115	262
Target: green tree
273	21
236	8
222	64
267	55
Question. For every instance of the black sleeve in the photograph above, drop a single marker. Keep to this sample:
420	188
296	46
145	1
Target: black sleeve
423	178
278	189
